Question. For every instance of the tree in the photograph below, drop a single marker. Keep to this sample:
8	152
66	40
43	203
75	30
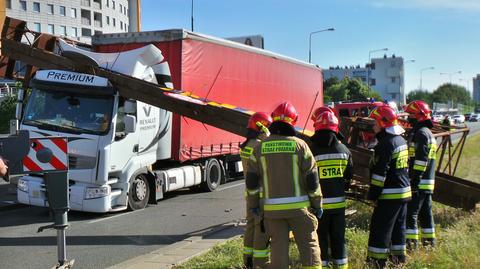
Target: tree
347	89
7	112
420	95
451	93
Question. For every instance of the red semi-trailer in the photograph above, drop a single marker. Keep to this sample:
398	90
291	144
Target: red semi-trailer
226	72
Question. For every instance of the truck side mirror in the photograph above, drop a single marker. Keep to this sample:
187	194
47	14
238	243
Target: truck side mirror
130	124
130	107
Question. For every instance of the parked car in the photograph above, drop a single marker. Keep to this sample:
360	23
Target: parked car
458	119
474	117
437	118
467	116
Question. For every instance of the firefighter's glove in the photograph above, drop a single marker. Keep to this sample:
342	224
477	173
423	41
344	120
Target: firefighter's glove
318	212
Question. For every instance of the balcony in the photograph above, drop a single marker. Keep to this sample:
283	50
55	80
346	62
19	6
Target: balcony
85	3
97	4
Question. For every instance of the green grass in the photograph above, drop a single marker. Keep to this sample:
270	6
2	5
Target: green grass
458	246
469	165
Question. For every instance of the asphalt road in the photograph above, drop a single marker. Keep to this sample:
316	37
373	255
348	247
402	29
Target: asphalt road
99	241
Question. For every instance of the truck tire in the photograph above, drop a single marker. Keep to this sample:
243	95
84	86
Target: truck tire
139	192
213	175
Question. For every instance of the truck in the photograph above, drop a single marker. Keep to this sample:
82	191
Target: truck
124	153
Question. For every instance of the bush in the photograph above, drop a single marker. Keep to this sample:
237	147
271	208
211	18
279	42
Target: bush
7	112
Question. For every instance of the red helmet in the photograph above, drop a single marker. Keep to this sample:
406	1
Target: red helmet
319	111
285	112
259	121
419	110
385	116
326	121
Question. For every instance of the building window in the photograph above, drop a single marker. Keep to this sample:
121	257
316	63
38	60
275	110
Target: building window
62	11
51	29
393	79
49	8
74	32
108	3
63	30
121	8
113	4
36	6
23	5
108	20
113	22
392	64
121	25
86	32
37	27
8	4
373	82
73	12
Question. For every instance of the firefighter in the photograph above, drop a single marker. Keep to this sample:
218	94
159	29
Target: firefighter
286	167
335	170
255	241
422	154
389	189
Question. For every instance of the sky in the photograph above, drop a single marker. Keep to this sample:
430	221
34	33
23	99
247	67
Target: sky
444	34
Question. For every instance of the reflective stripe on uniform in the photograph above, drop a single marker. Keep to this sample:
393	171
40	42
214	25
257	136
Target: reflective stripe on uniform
398	249
396	193
428	233
325	264
411	150
427	184
378	180
252	158
432	153
334	202
312	267
246	152
340	261
332	162
411	234
400	151
247	250
261	253
265	176
295	175
278	146
274	207
331	156
286	200
378	253
420	165
253	192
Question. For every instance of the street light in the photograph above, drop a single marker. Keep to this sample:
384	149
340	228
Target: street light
421	72
451	74
310	42
192	16
368	65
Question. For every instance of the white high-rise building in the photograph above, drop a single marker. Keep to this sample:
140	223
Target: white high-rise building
385	76
76	19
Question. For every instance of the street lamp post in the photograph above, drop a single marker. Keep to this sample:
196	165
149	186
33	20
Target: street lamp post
310	42
421	72
192	16
451	74
368	64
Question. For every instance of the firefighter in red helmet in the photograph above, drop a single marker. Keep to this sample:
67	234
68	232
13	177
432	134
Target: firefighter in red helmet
389	189
422	155
335	170
284	167
255	241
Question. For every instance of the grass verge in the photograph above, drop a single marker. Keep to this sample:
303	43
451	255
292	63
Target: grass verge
469	165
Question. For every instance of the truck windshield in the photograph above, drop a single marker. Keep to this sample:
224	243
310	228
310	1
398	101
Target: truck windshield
68	112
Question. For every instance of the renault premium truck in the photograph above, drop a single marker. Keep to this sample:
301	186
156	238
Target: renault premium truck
124	153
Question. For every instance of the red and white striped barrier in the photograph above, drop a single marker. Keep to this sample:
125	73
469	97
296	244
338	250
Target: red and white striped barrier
46	154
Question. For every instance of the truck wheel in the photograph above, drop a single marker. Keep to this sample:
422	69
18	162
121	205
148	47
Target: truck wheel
212	175
139	192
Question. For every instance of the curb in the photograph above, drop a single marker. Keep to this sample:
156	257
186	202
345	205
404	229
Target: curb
179	252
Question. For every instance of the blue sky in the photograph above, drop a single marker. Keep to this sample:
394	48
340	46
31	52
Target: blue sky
440	33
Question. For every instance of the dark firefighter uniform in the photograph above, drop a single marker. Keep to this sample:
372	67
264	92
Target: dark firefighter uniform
255	241
390	188
422	153
335	170
286	167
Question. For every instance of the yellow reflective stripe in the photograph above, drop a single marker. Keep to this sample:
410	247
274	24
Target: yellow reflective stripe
377	183
283	118
265	176
432	153
279	146
213	103
377	255
295	175
334	205
412	236
403	153
247	250
389	196
246	152
419	167
426	187
297	205
253	192
312	267
332	162
252	157
228	106
261	253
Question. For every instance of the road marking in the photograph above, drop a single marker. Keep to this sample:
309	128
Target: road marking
119	215
232	186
